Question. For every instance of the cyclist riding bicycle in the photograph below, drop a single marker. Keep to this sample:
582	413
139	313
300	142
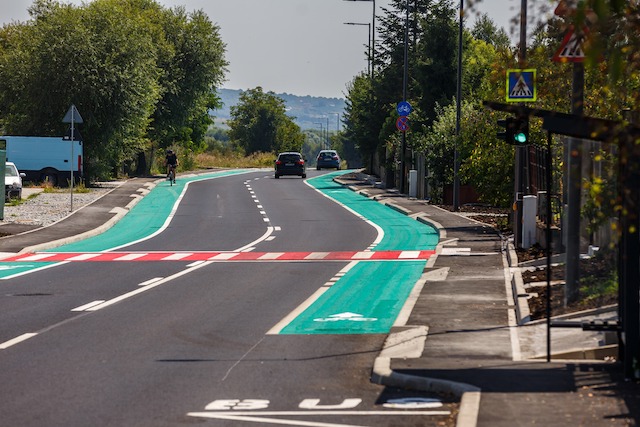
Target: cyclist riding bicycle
171	162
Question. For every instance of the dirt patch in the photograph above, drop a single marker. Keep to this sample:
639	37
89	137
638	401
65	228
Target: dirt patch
497	218
597	286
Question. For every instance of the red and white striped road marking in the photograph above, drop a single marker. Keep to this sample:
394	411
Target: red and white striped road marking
220	256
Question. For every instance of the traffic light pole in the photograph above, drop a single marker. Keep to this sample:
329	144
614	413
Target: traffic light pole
574	190
520	152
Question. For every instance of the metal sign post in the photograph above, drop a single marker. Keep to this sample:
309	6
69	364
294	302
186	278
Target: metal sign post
72	117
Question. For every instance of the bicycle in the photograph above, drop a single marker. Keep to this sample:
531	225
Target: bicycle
171	176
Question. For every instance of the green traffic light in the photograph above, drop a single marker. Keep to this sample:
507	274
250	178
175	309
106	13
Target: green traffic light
520	138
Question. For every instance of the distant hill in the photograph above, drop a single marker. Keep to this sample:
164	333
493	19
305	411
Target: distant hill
308	111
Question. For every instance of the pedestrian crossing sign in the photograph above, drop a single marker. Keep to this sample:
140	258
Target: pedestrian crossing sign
521	86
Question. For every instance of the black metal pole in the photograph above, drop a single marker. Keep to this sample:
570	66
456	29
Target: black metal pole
549	252
456	179
405	78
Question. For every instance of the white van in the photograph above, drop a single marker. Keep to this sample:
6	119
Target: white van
12	181
45	158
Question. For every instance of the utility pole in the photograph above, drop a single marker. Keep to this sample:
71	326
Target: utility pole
520	151
405	78
456	162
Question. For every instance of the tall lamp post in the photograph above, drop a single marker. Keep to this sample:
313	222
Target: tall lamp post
321	132
373	34
337	122
405	78
370	59
456	166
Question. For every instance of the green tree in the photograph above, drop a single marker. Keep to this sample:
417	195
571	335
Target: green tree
100	58
434	75
141	76
259	123
192	66
485	30
361	127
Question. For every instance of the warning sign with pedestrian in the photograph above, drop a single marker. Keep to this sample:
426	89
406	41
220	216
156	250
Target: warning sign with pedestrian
521	86
571	49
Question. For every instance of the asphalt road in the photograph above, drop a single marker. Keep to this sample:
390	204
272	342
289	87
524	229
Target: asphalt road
180	343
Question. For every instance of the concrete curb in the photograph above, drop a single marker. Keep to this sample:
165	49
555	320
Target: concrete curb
520	295
412	339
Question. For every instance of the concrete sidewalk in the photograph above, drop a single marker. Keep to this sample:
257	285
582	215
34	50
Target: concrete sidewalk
473	346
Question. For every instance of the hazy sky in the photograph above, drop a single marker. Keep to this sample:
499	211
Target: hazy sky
301	47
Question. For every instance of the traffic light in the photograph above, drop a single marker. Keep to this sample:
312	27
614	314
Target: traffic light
516	130
521	131
509	128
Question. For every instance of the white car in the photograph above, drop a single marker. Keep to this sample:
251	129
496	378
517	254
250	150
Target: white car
12	181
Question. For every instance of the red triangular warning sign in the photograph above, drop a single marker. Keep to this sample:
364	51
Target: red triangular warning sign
571	49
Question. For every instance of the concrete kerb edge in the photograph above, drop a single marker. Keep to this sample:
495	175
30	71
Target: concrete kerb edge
119	214
469	395
520	296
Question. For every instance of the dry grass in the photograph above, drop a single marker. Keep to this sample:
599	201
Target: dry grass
232	160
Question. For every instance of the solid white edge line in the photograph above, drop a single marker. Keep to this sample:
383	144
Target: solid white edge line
379	229
410	302
175	208
17	340
308	302
297	311
33	270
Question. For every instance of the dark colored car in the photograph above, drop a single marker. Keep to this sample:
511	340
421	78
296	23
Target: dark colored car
290	163
328	159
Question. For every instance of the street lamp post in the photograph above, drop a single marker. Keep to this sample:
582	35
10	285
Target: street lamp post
337	122
370	59
373	34
321	132
328	140
456	161
405	78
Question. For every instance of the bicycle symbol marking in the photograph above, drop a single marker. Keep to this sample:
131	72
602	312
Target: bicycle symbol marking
346	317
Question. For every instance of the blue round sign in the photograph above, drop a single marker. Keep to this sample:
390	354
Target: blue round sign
403	108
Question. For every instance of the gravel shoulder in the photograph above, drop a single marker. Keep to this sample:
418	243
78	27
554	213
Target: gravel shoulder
40	209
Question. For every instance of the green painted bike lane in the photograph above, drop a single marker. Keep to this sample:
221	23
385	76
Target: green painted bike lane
145	218
369	297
